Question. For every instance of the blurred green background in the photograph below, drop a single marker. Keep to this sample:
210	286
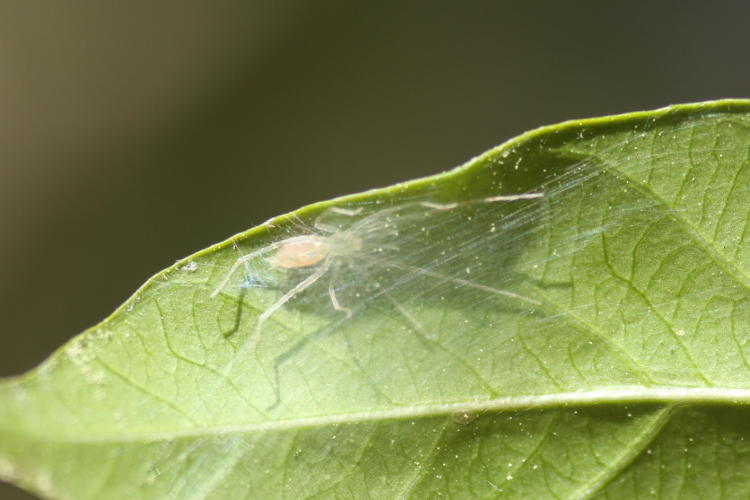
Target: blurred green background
136	133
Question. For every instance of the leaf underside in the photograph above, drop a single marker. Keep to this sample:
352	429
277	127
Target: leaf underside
588	341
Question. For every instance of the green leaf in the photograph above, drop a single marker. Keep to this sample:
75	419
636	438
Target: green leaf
590	341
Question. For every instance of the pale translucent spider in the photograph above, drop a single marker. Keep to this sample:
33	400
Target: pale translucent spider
327	246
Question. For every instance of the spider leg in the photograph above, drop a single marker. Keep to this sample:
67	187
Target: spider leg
336	304
242	260
513	197
301	286
438	206
492	199
349	212
325	227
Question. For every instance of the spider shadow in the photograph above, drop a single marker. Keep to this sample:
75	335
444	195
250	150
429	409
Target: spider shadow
384	298
251	281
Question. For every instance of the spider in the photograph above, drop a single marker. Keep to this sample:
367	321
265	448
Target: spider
326	246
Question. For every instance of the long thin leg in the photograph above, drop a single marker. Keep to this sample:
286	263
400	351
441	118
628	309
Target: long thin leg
438	206
315	276
514	197
349	212
241	260
326	228
335	301
491	199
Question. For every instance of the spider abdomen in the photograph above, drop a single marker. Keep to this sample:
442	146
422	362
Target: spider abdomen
301	251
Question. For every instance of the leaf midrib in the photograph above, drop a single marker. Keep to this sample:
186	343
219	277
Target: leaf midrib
619	395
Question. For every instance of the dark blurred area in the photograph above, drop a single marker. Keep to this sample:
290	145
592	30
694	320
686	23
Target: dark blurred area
136	133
